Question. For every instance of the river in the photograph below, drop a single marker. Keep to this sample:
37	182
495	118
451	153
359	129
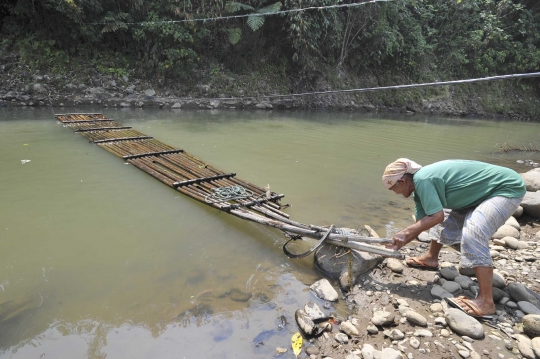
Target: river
98	259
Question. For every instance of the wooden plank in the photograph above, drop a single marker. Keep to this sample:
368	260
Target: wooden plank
139	155
103	129
123	139
202	179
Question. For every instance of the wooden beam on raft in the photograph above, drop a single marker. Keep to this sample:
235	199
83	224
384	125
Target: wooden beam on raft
123	139
201	180
147	154
103	129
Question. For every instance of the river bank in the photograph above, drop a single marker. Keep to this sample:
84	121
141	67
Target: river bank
21	86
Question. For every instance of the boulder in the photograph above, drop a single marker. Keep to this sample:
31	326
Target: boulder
532	179
332	266
528	308
531	204
463	324
324	290
506	231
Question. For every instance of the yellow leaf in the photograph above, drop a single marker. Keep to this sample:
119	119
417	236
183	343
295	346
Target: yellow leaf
296	343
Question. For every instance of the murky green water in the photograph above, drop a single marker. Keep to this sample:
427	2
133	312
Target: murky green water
98	259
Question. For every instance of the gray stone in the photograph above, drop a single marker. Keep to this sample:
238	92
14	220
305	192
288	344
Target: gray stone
511	242
312	350
464	324
425	333
512	305
324	290
531	325
438	292
535	344
314	312
519	292
449	273
464	281
394	265
498	280
513	222
368	351
39	88
532	179
415	318
382	318
125	104
389	353
528	308
525	347
176	105
150	92
348	328
394	334
506	231
466	271
452	287
341	338
328	263
531	204
519	212
498	294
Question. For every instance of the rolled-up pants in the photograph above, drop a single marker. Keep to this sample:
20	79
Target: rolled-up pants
473	228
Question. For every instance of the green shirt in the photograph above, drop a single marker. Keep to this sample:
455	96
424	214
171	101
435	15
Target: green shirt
456	184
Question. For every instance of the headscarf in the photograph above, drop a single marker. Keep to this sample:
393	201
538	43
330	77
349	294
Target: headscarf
395	170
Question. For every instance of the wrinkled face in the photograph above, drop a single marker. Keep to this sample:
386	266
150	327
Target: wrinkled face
402	187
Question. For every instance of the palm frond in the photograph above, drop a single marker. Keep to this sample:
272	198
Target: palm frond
234	35
255	22
234	6
270	8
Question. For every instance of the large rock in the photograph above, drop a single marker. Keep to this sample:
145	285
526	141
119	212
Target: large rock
531	204
528	308
506	231
535	343
464	324
449	273
332	265
519	293
440	293
532	179
324	290
531	325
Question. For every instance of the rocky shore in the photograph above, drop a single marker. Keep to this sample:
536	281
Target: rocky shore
401	312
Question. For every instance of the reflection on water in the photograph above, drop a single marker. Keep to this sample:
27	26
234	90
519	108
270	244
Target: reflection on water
100	260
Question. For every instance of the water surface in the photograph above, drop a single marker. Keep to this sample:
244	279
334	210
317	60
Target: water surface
99	259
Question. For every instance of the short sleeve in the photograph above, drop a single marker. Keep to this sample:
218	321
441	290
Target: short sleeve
426	194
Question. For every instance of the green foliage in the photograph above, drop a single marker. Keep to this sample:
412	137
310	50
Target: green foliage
43	55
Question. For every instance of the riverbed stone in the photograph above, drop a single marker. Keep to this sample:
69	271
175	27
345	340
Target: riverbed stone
532	179
525	347
389	353
341	338
440	293
449	273
368	351
498	294
531	325
333	266
531	204
452	287
464	324
528	308
314	312
394	265
424	333
498	280
383	318
535	344
464	281
506	231
519	292
324	290
348	328
511	242
416	318
394	334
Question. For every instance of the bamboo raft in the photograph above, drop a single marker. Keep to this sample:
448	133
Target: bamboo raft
198	180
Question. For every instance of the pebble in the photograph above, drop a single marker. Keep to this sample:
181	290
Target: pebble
531	325
439	292
324	290
389	353
381	318
372	329
368	352
449	273
445	333
440	321
341	338
394	334
467	339
464	281
511	305
423	333
415	343
394	265
535	344
416	318
525	347
348	328
452	287
464	324
436	307
312	350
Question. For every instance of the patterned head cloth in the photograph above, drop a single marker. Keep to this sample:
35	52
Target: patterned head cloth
395	170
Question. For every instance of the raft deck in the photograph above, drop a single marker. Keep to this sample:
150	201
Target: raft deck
197	179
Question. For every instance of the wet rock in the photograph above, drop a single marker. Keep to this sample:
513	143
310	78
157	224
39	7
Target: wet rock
328	263
349	329
528	308
449	273
382	318
312	350
314	312
464	324
531	325
519	292
525	347
324	290
531	204
238	296
394	265
415	318
532	180
304	322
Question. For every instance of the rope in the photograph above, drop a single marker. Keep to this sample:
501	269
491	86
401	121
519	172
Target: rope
223	194
281	12
368	89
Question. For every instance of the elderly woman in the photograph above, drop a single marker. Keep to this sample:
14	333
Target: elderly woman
477	199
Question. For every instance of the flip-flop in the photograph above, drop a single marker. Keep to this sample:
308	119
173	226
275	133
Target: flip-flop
470	305
417	263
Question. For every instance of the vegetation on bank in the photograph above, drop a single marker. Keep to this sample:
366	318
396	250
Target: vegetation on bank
381	43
